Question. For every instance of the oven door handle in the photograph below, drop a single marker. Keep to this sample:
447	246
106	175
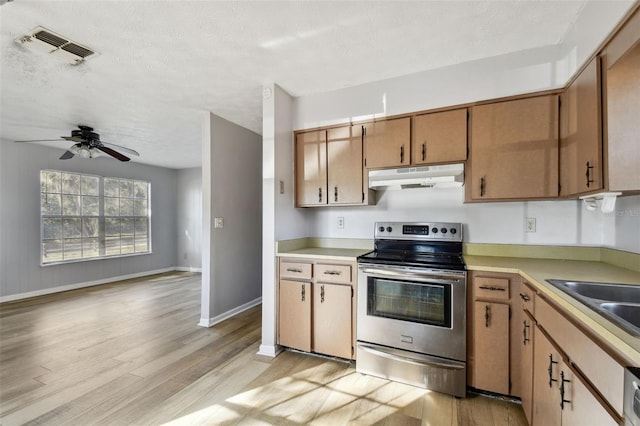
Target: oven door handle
421	362
407	274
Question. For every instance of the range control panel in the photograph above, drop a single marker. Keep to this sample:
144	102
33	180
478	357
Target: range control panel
422	231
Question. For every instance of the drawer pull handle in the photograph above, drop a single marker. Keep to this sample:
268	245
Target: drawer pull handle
296	270
332	273
524	297
550	370
562	382
491	288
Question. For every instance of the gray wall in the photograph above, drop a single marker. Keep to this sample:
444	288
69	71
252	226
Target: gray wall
20	270
231	189
189	218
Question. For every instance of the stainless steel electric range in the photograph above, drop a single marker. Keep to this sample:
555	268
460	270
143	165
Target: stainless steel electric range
411	322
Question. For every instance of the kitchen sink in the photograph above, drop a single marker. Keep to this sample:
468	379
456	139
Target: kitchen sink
620	303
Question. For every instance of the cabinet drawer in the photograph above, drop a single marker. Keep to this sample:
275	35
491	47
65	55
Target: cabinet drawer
333	273
606	374
527	297
491	288
295	270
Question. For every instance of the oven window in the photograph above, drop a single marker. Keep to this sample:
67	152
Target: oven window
409	301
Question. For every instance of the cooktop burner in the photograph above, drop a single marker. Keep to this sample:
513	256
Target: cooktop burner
435	245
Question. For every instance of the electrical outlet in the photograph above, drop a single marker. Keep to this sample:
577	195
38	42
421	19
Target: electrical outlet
341	223
530	224
218	222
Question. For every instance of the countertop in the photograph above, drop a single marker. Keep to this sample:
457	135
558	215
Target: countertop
537	271
328	253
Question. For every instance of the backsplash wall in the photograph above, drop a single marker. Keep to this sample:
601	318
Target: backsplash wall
563	222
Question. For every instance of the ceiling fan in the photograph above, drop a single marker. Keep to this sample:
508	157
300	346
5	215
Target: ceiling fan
88	145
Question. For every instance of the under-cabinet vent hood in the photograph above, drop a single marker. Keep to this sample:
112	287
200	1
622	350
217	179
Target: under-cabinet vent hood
444	176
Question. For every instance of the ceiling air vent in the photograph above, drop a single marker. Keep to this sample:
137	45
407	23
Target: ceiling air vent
55	44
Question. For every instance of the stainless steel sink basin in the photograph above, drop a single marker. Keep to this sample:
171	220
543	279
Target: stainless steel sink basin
620	303
602	291
626	311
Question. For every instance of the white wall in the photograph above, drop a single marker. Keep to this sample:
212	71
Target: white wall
280	220
558	222
189	218
231	190
20	270
506	75
627	224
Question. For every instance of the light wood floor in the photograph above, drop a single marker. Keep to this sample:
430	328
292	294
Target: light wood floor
131	353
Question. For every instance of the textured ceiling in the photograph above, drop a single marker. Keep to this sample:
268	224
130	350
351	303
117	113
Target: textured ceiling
163	62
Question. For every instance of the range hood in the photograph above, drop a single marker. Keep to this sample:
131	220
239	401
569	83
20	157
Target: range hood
444	176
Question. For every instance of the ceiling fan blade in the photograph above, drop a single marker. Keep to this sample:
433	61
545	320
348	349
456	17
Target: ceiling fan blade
66	155
40	140
72	138
120	148
113	153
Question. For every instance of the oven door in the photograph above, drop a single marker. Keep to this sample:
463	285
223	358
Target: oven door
416	309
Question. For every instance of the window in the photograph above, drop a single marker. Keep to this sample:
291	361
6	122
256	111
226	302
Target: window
89	217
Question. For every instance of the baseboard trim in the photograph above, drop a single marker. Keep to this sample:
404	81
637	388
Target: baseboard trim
188	269
271	351
210	322
44	292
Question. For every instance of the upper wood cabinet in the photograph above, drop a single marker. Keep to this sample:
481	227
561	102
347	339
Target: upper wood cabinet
387	143
311	168
581	133
514	150
329	168
439	137
623	125
344	153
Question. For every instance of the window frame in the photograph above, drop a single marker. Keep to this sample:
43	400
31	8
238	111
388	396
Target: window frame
101	233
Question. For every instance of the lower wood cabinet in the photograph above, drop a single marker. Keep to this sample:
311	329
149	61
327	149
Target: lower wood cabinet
492	331
316	306
560	395
294	312
332	319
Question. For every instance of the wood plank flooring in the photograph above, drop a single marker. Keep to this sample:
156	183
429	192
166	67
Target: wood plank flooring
131	353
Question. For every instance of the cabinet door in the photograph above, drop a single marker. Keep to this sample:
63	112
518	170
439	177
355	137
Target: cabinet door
491	347
581	134
579	406
440	137
387	143
546	373
623	126
311	168
332	319
344	167
514	149
526	365
294	315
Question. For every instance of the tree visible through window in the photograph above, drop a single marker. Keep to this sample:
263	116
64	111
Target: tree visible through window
87	217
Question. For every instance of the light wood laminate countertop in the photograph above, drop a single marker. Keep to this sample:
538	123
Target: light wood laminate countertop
328	253
537	271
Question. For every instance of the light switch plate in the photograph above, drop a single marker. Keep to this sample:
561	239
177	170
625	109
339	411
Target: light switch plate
218	222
